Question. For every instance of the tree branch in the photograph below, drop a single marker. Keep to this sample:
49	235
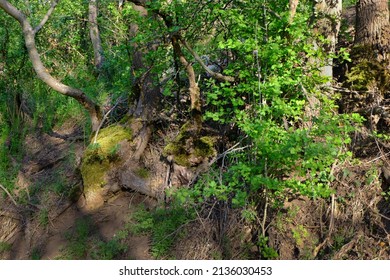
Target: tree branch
193	87
46	17
43	73
217	76
12	11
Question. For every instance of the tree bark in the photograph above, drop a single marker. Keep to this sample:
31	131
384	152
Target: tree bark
42	72
194	90
293	4
147	90
94	33
328	25
373	28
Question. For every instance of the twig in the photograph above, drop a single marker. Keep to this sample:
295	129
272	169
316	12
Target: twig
200	219
383	216
347	247
222	155
319	247
211	210
341	89
331	226
263	227
8	215
46	17
379	214
62	211
229	151
217	76
332	213
176	230
378	158
10	196
104	119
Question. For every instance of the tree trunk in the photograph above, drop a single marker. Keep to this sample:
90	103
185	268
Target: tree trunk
328	25
293	4
327	16
42	72
373	28
94	33
147	90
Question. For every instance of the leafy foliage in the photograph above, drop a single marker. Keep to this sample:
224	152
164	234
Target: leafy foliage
278	77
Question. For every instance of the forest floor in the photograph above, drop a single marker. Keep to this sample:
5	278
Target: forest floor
49	225
49	220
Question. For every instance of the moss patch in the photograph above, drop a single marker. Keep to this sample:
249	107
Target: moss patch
100	156
188	148
368	73
204	146
109	137
142	172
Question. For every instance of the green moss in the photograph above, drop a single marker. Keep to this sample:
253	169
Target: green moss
126	119
368	73
99	157
93	175
188	147
170	149
204	147
300	234
183	160
142	172
109	137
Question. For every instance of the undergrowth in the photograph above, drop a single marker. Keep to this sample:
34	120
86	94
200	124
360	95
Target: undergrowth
84	243
165	226
4	247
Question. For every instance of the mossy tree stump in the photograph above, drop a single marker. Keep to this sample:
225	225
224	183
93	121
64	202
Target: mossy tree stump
99	158
189	152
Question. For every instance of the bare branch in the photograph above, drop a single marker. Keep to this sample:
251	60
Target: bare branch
217	76
104	118
12	11
46	17
193	87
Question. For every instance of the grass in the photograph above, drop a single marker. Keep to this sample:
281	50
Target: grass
43	217
78	245
36	254
164	225
109	250
84	243
4	247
